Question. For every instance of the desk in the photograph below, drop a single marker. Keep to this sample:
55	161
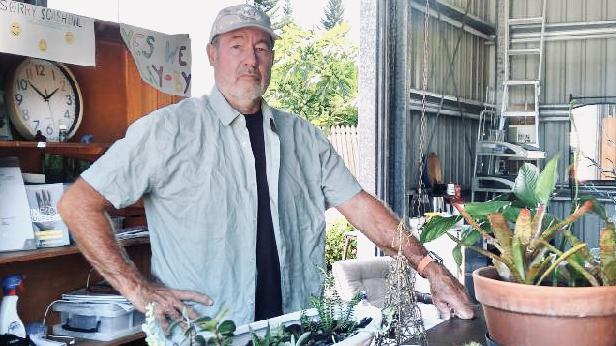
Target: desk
456	332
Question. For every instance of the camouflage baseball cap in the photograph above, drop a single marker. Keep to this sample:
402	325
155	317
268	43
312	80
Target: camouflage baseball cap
241	16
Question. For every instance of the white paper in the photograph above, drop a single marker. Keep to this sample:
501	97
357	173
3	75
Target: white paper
15	225
46	33
163	61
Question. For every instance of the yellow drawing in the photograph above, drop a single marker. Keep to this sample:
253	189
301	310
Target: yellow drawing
69	37
43	45
15	29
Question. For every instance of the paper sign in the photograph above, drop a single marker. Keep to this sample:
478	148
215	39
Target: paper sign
163	60
46	33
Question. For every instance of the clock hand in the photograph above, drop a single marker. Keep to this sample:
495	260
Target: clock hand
37	91
50	95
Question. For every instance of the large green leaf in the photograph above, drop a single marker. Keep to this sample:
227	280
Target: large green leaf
485	208
470	236
457	254
525	184
511	213
437	226
547	181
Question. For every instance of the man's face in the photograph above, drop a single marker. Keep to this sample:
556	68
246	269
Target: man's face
242	61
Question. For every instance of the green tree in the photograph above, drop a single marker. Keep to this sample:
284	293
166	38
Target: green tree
271	8
287	14
334	14
315	76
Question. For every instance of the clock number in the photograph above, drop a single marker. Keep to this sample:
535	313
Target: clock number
69	100
63	87
40	70
53	75
36	122
67	114
49	130
19	99
29	73
26	114
22	84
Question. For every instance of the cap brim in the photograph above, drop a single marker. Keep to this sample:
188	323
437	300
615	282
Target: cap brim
248	25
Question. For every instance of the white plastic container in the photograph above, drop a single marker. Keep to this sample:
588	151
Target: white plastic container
97	321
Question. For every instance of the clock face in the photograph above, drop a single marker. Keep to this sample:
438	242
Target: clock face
45	97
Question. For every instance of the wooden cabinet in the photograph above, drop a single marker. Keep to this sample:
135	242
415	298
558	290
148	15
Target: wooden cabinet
114	97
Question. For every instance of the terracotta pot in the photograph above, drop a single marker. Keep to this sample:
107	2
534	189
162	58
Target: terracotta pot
519	315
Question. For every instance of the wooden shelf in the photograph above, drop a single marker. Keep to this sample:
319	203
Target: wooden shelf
31	255
76	150
119	341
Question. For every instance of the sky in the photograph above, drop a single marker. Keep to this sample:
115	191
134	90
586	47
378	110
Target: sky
195	18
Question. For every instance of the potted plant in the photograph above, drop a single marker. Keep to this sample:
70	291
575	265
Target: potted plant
545	288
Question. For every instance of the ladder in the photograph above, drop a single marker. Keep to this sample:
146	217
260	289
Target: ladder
516	118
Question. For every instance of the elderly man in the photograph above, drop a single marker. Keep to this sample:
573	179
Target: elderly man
235	193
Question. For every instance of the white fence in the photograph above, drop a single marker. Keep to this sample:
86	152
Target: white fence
344	140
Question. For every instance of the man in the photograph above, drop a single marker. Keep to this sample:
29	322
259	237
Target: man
235	193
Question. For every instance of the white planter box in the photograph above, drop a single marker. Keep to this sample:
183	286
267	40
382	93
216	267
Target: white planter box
363	337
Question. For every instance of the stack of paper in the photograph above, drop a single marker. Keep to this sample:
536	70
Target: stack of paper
84	296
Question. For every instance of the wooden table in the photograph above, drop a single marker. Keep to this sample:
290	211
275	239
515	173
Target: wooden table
456	332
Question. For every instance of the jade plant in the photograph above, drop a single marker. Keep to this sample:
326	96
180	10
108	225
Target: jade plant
189	332
532	245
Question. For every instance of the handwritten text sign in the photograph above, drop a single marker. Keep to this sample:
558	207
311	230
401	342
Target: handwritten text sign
163	60
46	33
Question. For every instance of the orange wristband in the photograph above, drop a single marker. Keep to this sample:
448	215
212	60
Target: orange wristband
423	264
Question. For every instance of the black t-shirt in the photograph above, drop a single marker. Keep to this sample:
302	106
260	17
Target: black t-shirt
268	297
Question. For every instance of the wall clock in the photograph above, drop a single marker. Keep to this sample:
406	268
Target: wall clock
44	96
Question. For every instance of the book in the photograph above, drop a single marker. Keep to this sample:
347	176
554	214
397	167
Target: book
49	229
5	129
15	224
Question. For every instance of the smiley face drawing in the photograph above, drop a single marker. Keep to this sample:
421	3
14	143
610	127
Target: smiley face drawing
43	45
15	29
69	37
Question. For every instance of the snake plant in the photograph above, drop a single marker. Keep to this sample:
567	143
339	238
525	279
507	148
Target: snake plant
519	226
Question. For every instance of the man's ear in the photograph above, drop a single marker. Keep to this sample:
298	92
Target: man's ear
212	54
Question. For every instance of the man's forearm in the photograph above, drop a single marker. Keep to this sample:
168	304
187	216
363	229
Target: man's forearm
380	225
84	215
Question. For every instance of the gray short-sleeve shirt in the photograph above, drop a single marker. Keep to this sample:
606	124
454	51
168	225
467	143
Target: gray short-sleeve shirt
193	164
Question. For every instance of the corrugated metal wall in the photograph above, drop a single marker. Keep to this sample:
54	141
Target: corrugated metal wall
578	67
454	136
454	143
481	9
469	70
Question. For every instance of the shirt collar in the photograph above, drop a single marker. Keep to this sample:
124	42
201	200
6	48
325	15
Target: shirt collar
227	114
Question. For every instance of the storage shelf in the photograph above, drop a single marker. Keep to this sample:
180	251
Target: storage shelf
76	150
119	341
31	255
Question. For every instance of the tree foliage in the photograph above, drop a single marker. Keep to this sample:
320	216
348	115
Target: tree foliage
334	14
315	76
287	14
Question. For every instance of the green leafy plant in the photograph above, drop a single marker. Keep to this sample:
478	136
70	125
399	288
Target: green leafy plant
334	242
518	225
220	332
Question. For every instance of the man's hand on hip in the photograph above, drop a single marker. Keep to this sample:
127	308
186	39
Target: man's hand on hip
448	294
